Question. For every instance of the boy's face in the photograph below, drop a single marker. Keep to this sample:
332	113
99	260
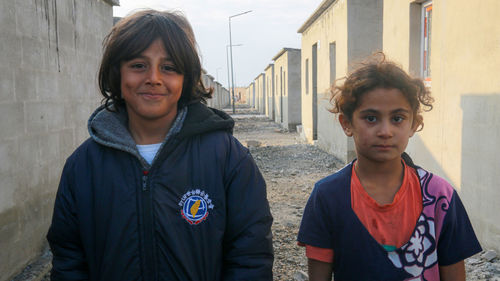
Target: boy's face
150	85
381	125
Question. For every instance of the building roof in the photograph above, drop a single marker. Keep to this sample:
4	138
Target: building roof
321	8
113	2
268	66
283	51
260	74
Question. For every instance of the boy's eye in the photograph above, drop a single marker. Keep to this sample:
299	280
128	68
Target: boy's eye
169	68
371	118
138	65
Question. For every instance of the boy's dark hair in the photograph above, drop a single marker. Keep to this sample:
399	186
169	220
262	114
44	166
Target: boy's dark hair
133	34
379	73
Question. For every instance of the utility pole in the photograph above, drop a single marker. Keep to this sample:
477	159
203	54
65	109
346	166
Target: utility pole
231	52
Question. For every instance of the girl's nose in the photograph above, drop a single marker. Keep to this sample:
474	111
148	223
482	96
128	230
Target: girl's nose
385	130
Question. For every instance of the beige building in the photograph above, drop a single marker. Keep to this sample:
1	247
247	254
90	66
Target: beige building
287	97
337	35
269	72
251	94
260	90
457	51
240	95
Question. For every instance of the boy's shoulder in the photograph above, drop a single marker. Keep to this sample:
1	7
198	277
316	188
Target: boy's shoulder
89	149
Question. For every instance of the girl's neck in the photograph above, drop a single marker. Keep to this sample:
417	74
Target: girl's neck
381	180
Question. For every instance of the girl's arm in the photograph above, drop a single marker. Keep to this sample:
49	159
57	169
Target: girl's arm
454	272
319	271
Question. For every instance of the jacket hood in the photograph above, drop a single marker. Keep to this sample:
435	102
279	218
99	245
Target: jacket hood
201	119
110	128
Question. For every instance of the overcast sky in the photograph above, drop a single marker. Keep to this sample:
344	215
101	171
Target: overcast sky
271	26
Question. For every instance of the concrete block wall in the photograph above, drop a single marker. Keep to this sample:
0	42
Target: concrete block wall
49	56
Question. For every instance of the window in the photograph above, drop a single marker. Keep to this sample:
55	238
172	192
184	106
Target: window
426	41
307	76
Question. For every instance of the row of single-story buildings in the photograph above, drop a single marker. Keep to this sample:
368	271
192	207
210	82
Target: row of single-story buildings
454	46
276	91
220	96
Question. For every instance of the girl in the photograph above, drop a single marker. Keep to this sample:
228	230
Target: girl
381	217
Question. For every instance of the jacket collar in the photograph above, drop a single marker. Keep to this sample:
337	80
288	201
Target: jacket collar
110	128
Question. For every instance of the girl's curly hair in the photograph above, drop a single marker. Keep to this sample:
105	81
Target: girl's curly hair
375	73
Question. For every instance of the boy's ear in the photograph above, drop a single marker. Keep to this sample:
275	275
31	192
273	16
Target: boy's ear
346	125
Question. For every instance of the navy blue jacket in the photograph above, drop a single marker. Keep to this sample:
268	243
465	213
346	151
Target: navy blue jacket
443	234
198	212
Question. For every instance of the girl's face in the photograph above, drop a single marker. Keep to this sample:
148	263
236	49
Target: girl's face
381	125
150	85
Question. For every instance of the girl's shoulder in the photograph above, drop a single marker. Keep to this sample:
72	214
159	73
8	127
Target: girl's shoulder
430	182
336	182
433	185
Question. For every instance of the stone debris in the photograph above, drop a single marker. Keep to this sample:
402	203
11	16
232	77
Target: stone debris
300	275
489	255
253	143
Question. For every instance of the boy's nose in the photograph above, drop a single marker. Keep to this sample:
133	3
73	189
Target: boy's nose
154	77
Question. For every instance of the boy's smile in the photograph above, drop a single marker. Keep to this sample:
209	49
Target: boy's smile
381	125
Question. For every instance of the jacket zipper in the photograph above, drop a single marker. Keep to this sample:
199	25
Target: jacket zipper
149	262
145	180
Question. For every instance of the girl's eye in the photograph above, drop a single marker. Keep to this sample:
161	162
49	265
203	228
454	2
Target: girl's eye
371	118
398	119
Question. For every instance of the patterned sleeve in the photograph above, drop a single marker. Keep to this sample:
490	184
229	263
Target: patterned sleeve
315	229
457	240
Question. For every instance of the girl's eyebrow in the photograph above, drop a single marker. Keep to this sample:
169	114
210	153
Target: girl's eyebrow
374	111
369	110
401	110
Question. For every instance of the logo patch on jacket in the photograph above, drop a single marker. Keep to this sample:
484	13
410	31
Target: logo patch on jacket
195	205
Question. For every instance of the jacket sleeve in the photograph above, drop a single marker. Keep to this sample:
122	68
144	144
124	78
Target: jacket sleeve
248	250
68	261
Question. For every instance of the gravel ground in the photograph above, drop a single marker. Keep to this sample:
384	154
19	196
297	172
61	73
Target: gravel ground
290	168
